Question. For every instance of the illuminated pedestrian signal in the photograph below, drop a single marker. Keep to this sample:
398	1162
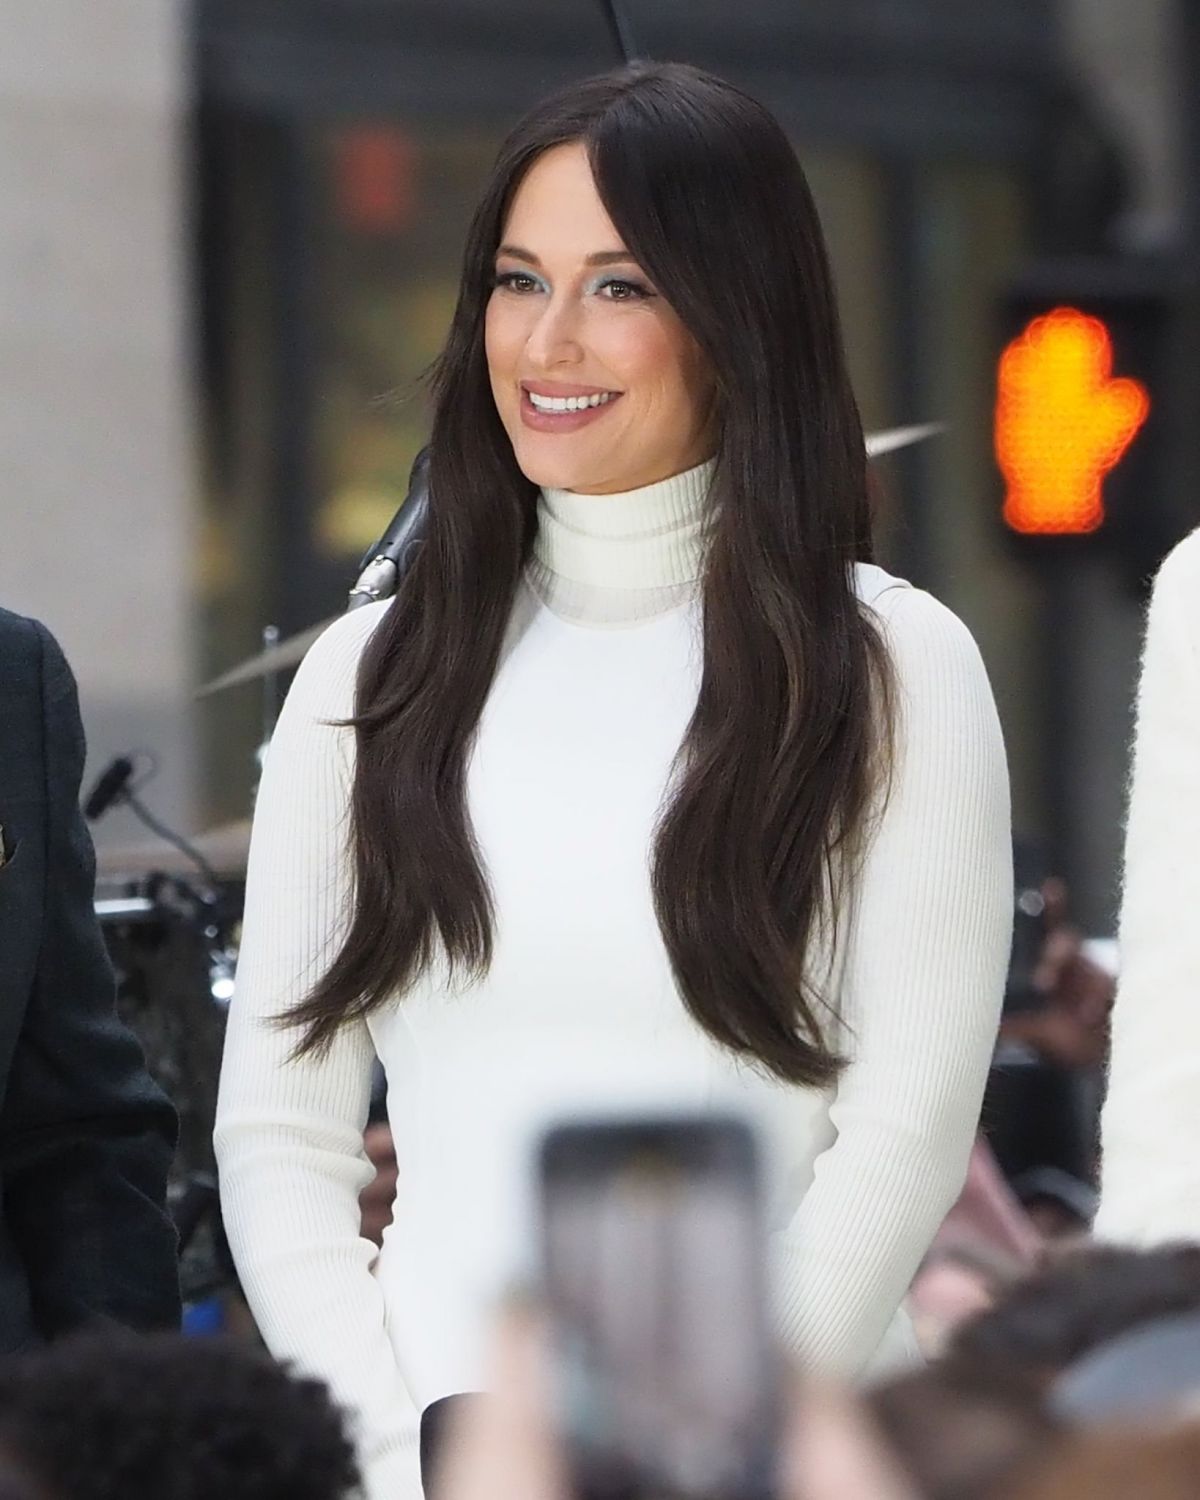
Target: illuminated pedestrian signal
1062	422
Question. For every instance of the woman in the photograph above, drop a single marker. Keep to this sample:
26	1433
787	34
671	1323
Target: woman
657	791
1150	1126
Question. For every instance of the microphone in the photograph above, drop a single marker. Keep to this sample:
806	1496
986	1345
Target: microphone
381	567
110	787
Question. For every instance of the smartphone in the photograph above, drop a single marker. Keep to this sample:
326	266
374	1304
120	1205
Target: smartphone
654	1280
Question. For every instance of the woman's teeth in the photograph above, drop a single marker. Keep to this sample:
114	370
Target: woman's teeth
569	403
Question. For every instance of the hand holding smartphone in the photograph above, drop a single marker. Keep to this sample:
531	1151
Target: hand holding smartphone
663	1372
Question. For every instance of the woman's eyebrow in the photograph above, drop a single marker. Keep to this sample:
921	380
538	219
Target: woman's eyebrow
599	258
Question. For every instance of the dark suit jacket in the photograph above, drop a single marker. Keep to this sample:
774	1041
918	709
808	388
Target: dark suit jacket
86	1138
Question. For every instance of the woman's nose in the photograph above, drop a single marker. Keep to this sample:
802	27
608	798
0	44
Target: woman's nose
555	337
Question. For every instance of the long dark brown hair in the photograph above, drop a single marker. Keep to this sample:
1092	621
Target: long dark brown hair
775	778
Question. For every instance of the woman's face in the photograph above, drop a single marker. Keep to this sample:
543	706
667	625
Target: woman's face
599	385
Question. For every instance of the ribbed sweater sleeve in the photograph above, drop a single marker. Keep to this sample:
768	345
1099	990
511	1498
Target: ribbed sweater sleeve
1150	1182
289	1133
926	954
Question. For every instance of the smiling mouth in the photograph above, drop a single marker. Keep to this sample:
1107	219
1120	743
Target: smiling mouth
553	404
564	412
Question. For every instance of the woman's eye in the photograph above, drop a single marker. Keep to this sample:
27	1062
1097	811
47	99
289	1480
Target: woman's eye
624	291
516	281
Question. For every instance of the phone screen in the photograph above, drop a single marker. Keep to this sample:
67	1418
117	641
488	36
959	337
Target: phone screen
653	1267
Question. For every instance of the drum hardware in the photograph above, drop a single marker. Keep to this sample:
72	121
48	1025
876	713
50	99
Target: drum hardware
125	909
115	787
270	693
214	916
224	849
277	658
170	914
174	946
173	943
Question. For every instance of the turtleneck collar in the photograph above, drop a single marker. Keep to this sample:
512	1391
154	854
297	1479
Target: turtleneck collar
646	539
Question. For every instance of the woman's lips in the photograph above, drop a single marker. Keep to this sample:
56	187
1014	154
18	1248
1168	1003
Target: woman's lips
562	421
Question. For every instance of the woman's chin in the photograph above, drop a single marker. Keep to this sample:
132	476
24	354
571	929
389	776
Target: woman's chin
552	472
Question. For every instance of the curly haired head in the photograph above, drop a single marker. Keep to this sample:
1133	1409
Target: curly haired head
1079	1302
104	1417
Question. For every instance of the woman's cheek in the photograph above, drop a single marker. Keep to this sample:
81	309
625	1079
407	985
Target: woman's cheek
639	349
494	343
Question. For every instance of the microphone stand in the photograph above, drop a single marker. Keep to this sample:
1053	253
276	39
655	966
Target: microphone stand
160	829
618	26
270	698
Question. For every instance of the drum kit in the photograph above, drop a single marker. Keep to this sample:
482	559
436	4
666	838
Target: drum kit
170	912
172	934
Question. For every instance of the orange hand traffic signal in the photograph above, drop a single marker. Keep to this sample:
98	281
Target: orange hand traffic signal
1062	422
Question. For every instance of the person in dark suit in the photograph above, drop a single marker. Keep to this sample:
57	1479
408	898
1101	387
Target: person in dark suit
86	1138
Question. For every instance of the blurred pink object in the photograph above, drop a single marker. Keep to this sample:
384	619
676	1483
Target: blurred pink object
988	1214
986	1242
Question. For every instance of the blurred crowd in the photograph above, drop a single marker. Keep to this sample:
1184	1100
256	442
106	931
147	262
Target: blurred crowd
1078	1379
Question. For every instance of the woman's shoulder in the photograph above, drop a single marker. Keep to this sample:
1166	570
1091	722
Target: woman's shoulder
873	583
938	670
327	676
913	620
341	643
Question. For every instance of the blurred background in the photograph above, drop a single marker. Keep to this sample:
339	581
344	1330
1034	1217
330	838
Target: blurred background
229	244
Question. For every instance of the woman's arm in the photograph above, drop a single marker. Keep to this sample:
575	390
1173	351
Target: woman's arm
1150	1188
926	954
290	1134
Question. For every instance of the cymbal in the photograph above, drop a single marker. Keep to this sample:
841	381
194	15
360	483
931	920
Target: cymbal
278	658
226	848
891	438
290	653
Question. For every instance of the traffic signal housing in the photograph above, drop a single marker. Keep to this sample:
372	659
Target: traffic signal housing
1080	398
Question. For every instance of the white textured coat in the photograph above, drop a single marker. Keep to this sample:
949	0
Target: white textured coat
1150	1188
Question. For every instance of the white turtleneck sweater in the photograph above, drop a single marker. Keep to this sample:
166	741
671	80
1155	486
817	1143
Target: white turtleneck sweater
579	1012
1150	1183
